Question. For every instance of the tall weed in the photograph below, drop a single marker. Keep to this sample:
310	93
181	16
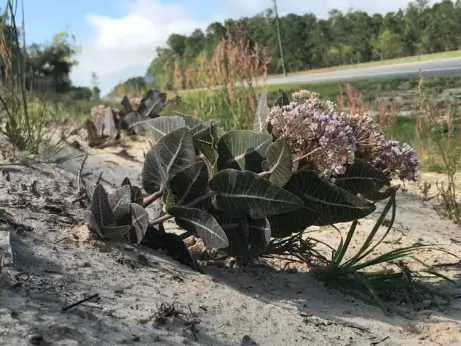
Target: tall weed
33	122
217	84
438	127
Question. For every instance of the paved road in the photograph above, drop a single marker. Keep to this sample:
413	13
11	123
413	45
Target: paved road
434	68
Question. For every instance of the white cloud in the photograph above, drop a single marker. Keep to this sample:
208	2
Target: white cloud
120	48
123	47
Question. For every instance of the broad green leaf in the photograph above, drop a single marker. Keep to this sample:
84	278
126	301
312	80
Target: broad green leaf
126	181
120	200
205	137
282	99
243	150
382	194
220	132
90	220
362	178
247	237
262	114
210	157
259	235
201	224
161	126
332	203
279	162
239	194
139	222
189	120
285	224
115	233
205	134
100	207
136	195
171	154
190	183
174	246
152	103
168	199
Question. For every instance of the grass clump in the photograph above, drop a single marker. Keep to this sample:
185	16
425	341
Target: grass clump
442	129
33	121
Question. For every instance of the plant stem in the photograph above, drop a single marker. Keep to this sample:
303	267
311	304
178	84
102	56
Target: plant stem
148	200
306	155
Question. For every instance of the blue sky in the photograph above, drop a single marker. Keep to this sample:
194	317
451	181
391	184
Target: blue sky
119	37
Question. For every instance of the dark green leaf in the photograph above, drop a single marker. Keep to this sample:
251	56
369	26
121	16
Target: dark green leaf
120	200
136	195
90	220
262	114
190	183
259	234
115	233
172	153
168	199
161	126
362	178
282	99
126	181
205	134
200	224
152	103
100	207
189	120
383	194
205	137
173	245
285	224
243	150
247	237
245	193
139	221
332	203
279	162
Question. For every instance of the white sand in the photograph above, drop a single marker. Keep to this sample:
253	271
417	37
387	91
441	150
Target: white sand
55	265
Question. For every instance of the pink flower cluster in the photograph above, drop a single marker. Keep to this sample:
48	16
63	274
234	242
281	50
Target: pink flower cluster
330	141
323	137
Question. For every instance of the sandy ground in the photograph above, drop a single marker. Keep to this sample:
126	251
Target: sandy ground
148	299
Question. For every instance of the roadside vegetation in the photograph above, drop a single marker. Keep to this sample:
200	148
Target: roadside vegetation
222	127
421	31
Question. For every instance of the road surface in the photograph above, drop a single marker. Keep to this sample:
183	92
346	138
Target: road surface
433	68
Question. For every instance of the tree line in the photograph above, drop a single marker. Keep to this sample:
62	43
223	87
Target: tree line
342	38
44	67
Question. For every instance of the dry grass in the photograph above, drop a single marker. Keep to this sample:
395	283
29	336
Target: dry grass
233	62
432	130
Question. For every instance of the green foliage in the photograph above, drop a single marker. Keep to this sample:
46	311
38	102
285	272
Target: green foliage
376	288
343	38
234	190
134	84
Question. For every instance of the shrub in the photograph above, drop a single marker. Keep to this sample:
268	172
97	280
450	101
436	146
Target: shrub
238	189
253	193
